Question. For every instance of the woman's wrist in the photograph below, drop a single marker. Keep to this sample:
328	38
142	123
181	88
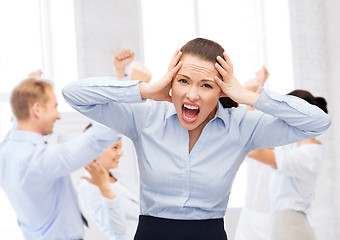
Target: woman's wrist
120	72
250	98
245	96
106	191
144	90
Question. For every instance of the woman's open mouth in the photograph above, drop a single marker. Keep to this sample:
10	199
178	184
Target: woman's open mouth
190	112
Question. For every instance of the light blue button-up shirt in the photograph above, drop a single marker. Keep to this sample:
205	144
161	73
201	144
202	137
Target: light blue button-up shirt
175	183
35	178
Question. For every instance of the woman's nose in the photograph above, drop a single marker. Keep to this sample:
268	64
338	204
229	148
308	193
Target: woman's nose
193	94
120	153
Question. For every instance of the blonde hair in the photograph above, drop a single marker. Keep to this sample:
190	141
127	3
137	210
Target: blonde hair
28	92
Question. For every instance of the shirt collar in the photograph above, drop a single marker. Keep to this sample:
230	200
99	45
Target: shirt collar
221	113
26	136
171	111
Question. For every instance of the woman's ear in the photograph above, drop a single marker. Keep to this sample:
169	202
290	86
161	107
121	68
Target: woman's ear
170	94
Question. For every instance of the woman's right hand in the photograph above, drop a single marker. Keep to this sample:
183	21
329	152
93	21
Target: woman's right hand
160	90
99	175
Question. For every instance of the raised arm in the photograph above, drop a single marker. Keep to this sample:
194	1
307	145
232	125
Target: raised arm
287	119
103	205
36	74
56	160
104	99
265	156
99	178
120	60
140	72
256	83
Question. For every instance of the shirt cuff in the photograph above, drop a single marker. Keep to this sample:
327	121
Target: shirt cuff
130	93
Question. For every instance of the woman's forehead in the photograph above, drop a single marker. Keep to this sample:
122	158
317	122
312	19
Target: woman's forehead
195	64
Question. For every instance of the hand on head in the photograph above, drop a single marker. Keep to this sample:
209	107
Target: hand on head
228	84
160	90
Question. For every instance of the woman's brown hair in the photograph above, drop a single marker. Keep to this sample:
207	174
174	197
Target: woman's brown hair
207	50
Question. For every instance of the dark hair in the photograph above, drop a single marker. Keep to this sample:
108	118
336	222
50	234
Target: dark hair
207	50
307	96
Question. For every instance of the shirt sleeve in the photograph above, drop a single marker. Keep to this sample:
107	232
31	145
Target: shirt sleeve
112	102
108	213
285	119
303	162
56	160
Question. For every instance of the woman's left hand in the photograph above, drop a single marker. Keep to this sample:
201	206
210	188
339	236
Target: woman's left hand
230	85
100	176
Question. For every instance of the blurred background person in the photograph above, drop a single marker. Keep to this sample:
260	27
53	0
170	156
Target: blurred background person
296	168
108	200
35	175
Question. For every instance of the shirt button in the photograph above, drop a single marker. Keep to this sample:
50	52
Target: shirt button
127	93
185	194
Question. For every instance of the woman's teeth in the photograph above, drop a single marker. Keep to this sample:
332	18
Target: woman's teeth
190	107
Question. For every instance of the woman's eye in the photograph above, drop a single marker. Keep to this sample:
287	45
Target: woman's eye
182	81
207	85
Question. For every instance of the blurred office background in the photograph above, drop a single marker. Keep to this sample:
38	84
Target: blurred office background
298	41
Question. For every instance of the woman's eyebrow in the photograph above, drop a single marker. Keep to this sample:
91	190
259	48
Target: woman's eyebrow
183	75
202	80
210	81
207	80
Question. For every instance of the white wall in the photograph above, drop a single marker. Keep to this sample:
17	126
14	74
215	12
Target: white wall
104	28
316	58
332	27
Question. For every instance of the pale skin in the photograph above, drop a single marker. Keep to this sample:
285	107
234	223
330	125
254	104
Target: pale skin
140	72
99	169
120	60
199	84
256	84
36	74
258	81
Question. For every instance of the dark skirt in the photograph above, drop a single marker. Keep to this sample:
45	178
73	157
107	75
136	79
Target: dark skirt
154	228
